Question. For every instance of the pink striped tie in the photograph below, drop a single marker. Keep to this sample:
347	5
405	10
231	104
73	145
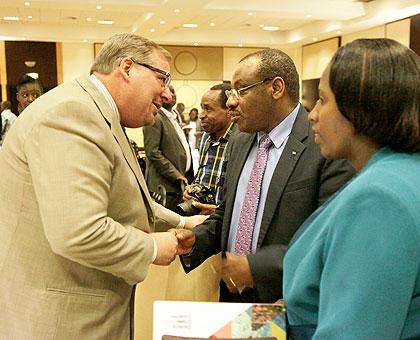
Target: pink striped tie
252	199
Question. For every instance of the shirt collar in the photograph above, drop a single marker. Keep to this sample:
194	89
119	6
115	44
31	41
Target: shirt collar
225	136
169	114
102	89
279	134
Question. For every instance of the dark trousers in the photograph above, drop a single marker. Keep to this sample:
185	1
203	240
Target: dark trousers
249	295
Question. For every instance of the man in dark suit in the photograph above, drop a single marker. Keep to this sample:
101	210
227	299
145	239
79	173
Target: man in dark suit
296	180
169	161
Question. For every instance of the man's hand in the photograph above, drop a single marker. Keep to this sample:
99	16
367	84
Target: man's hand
192	221
166	243
186	240
183	180
236	273
186	195
206	209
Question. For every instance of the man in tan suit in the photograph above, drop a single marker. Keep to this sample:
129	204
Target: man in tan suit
76	218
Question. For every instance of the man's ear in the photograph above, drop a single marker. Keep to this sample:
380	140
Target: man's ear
125	66
278	87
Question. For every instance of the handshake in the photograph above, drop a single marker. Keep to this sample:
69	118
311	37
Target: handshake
171	243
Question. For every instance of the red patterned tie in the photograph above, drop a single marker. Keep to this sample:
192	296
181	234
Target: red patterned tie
252	199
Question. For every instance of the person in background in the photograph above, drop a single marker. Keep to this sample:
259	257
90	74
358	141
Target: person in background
214	149
7	119
190	132
275	178
28	89
179	111
353	268
76	217
168	155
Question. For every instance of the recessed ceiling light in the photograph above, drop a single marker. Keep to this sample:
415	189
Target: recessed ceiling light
212	24
27	3
196	44
29	16
162	22
99	7
309	15
84	40
250	13
152	30
105	22
11	18
177	10
261	25
339	32
190	25
240	45
271	28
88	19
315	39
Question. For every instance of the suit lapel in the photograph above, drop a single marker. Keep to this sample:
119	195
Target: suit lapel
285	166
120	137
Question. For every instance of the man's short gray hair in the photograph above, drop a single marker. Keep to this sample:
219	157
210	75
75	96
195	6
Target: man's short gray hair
125	45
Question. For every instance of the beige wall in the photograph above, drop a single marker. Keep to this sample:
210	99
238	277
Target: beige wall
399	31
375	32
77	59
315	57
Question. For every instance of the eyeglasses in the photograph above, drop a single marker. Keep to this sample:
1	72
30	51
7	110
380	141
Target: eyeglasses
167	75
239	92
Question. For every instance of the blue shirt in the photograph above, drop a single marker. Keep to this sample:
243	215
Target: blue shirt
279	136
212	166
353	268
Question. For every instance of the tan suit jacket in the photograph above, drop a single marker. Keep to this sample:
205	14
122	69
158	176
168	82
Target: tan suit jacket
75	214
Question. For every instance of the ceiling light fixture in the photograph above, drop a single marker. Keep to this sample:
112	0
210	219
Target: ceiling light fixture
29	16
177	10
162	22
240	45
261	25
99	7
212	24
152	30
88	19
339	32
315	39
271	28
309	15
250	13
30	63
190	25
11	18
27	3
105	22
85	40
196	44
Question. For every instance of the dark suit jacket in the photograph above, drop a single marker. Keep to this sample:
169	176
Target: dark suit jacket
301	182
166	157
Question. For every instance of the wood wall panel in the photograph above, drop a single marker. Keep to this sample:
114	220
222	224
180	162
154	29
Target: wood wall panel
17	52
415	33
196	63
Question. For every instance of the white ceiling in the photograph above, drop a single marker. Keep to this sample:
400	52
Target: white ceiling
220	22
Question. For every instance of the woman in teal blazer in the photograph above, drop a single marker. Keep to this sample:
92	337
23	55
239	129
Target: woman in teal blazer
352	270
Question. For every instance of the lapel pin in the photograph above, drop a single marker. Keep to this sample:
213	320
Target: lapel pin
294	153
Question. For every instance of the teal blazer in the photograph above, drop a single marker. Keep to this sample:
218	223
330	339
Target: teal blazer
353	268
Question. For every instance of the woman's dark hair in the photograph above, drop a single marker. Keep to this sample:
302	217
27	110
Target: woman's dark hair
27	79
376	84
